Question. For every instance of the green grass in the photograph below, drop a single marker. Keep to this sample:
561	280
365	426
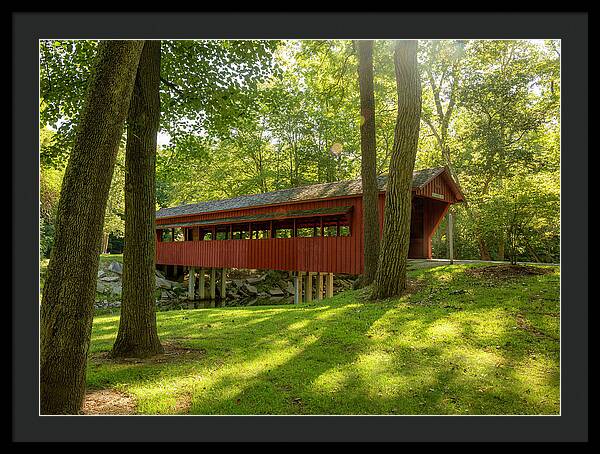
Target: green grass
493	349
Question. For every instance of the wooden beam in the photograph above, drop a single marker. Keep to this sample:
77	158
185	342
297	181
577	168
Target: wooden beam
298	287
319	286
329	285
450	237
201	281
213	283
308	287
192	284
223	289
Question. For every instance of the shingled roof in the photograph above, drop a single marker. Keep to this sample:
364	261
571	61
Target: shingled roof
311	192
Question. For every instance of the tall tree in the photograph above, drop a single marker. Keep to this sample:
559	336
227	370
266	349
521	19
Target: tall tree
137	336
70	286
368	161
390	279
442	69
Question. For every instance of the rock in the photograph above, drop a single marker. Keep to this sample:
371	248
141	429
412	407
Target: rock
109	287
238	283
250	289
275	299
263	295
165	296
256	280
116	267
277	291
110	278
116	288
163	283
101	273
290	288
177	287
159	274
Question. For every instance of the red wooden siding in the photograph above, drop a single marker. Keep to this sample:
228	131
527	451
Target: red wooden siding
342	254
438	187
326	254
317	254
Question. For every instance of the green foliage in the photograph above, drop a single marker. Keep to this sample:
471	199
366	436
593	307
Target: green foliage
114	217
50	184
254	116
208	85
523	212
205	86
51	176
65	67
506	101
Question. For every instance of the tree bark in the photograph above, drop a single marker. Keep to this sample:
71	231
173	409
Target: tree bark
70	287
368	163
390	279
138	336
501	243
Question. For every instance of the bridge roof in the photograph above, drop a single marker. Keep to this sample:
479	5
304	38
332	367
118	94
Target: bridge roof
298	194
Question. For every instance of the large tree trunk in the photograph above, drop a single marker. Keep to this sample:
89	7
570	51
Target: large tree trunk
137	336
70	287
368	162
390	279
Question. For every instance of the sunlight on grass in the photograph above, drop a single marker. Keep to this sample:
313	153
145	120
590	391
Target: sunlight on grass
486	349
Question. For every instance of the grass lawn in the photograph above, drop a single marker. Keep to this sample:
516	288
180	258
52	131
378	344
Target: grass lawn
459	344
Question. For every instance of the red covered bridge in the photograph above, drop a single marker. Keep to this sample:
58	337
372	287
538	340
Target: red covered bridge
309	229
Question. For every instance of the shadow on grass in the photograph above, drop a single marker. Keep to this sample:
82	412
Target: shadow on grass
442	353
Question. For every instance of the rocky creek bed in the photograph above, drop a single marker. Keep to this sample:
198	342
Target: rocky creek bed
244	288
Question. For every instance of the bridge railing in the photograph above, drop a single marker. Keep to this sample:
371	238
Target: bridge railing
342	254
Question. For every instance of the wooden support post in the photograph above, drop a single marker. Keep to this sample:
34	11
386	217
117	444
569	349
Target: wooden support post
450	238
319	286
201	281
298	287
308	287
223	288
192	284
329	285
296	295
213	283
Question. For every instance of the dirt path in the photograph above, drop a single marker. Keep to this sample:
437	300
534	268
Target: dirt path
415	264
